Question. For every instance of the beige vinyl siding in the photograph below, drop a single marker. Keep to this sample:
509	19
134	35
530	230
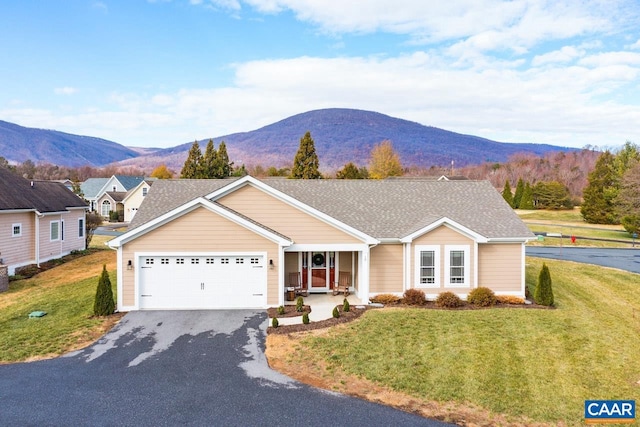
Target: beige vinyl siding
386	269
344	259
299	226
17	250
442	237
500	267
200	231
133	202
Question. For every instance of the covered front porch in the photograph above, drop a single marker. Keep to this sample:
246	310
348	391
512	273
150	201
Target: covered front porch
317	269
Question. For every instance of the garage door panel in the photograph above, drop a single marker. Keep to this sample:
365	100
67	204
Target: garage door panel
202	282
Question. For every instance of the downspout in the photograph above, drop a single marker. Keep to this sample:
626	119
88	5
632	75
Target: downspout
37	242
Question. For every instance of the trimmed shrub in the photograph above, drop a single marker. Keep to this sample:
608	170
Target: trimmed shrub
336	313
509	299
299	304
414	297
543	294
449	300
482	297
281	310
305	318
275	322
386	299
104	304
113	216
345	306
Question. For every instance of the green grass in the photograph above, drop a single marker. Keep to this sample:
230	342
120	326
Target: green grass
526	363
549	215
66	296
583	235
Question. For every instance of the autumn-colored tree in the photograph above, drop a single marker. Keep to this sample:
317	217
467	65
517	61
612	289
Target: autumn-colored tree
92	221
506	193
628	199
306	164
384	161
598	206
351	171
161	172
518	196
192	167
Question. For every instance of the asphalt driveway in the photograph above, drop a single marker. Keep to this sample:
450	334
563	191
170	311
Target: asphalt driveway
621	258
168	368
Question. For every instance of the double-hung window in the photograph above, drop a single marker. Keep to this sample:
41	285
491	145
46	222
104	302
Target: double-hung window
80	227
457	263
54	231
427	266
16	230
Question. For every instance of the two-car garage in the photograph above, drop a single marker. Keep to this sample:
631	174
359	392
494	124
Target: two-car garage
201	281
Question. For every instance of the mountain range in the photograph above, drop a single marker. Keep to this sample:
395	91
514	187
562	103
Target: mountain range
341	135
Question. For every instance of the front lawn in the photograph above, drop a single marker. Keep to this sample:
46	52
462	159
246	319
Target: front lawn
528	364
66	293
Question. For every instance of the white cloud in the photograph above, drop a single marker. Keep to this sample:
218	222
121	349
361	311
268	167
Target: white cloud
102	7
65	90
635	45
564	55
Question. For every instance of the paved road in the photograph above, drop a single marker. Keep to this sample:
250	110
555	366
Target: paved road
168	368
624	259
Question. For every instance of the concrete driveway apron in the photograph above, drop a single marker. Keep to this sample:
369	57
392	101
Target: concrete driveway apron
167	368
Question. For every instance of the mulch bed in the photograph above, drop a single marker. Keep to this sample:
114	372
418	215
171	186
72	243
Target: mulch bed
345	317
289	311
354	313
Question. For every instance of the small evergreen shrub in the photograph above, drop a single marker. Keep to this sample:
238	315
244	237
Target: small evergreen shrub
336	313
305	318
449	300
113	215
509	299
543	294
345	306
104	304
386	299
299	304
482	297
275	322
414	297
281	310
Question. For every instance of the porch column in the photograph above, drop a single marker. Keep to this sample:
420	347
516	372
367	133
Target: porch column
363	274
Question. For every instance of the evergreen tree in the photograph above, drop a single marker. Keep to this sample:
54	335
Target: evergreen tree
192	167
518	196
104	304
543	294
527	198
628	200
506	193
552	195
598	206
210	161
224	166
351	171
306	164
384	161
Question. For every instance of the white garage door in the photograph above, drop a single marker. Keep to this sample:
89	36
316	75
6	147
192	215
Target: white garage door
202	282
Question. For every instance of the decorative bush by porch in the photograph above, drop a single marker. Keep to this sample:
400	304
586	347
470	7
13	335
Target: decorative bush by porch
305	318
509	299
336	313
275	322
414	297
449	300
386	299
482	297
299	304
345	305
281	310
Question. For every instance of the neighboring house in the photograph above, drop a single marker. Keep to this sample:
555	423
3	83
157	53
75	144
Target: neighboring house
112	201
94	188
91	191
231	243
133	199
39	221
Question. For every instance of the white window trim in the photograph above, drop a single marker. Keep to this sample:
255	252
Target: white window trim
447	266
13	226
57	239
81	227
436	250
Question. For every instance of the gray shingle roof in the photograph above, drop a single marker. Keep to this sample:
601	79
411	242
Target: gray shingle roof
91	186
129	182
44	196
379	208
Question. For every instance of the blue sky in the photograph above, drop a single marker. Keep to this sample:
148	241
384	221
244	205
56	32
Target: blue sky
164	72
